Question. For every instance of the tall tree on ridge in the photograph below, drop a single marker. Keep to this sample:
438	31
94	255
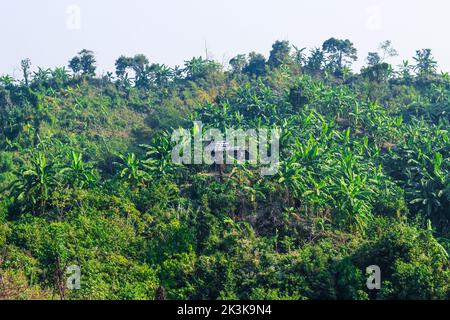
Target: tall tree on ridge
280	54
84	61
340	54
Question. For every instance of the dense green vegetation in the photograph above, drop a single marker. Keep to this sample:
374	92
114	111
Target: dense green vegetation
86	179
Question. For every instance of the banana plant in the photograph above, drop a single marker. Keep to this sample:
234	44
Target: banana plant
78	173
7	81
158	162
427	185
34	184
131	170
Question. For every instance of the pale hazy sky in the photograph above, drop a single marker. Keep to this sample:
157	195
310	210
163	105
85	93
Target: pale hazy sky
49	32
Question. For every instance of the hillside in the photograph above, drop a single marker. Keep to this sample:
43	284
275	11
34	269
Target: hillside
87	179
